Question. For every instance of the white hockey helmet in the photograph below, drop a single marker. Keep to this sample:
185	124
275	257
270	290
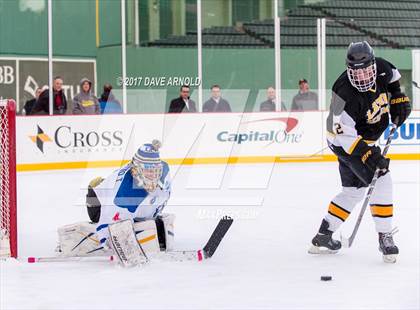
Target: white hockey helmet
147	165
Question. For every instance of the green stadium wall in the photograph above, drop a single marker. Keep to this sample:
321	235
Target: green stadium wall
24	28
249	69
23	32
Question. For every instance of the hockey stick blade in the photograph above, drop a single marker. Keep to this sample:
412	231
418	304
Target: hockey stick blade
345	242
199	255
217	236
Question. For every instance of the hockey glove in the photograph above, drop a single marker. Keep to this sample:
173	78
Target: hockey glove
373	158
400	108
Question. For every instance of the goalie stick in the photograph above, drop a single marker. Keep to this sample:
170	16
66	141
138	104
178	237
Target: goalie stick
189	255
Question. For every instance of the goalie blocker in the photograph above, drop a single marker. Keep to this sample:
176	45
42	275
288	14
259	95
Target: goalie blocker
79	239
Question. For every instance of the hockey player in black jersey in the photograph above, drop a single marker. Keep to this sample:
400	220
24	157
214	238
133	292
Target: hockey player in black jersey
365	97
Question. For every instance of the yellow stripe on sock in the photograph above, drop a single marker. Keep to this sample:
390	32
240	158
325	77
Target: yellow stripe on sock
382	210
338	211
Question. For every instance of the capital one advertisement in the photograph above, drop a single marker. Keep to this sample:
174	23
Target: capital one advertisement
62	139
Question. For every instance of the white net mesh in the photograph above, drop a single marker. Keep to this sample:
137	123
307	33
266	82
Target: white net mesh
4	181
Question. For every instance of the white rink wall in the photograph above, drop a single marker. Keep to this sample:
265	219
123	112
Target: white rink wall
65	142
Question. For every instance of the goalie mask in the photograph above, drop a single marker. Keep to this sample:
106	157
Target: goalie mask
361	66
147	166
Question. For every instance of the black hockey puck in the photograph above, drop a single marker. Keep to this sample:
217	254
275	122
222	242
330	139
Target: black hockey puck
326	278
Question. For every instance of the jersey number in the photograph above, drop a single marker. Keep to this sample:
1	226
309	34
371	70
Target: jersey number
337	128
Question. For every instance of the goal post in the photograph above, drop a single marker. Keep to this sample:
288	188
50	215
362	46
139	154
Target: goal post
8	222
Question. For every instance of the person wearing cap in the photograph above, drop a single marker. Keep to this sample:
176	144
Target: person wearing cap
305	100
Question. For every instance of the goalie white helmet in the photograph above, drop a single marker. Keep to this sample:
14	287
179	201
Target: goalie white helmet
147	165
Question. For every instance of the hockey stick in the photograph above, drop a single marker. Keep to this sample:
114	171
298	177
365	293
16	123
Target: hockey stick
195	255
60	259
347	242
207	251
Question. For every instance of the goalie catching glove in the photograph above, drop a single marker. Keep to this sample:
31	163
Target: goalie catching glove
400	108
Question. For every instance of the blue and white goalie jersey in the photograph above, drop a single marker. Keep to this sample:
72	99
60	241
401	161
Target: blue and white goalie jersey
121	198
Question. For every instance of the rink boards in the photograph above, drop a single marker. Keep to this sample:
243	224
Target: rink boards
68	142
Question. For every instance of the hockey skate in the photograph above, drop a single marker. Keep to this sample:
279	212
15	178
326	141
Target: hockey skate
323	243
387	247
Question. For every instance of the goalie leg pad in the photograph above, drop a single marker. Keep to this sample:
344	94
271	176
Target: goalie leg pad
123	241
165	226
147	235
79	239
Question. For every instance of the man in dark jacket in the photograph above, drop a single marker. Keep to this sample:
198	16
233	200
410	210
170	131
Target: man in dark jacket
305	100
183	104
59	102
216	103
27	108
270	104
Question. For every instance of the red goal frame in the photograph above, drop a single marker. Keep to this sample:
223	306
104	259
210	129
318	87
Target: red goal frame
8	207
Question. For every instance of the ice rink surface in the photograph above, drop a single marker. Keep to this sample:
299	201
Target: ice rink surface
261	264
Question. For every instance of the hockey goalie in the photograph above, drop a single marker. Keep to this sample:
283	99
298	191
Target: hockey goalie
125	211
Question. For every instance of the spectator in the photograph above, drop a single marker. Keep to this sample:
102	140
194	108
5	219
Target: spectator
27	108
270	103
85	102
305	99
216	103
183	103
108	103
42	105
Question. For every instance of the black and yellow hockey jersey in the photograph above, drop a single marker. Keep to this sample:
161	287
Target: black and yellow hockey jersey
358	115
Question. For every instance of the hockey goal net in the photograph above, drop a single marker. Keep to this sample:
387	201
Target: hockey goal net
8	225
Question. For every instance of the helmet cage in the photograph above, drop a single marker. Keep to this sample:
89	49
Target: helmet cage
362	78
147	174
